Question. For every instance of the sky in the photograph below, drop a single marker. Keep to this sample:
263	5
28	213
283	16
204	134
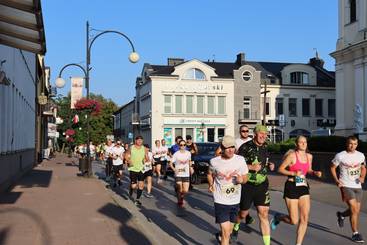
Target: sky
265	30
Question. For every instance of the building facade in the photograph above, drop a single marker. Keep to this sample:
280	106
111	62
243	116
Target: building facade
22	78
351	68
123	126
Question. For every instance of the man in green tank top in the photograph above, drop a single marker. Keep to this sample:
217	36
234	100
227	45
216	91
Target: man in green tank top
135	158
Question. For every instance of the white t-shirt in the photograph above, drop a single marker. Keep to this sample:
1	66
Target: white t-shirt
350	168
182	163
117	151
108	150
240	141
226	191
148	165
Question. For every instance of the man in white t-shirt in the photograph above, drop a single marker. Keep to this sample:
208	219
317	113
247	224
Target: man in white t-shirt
117	161
352	169
244	136
226	174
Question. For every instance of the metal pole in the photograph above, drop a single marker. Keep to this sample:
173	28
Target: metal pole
87	87
264	106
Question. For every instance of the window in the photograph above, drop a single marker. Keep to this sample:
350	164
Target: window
279	106
221	133
247	76
318	108
353	10
178	100
189	103
211	104
306	107
194	74
221	105
167	104
190	131
246	107
292	104
178	132
200	105
331	107
299	78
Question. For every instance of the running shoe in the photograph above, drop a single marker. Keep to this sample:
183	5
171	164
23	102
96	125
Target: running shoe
137	203
357	238
159	181
148	195
340	219
234	236
275	221
249	220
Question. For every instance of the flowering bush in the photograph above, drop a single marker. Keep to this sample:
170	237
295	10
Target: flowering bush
88	105
70	132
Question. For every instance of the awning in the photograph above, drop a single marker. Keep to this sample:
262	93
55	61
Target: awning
21	25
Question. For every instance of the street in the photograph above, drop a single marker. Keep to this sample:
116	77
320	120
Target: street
195	224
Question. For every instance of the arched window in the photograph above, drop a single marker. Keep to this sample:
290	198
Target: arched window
299	77
194	74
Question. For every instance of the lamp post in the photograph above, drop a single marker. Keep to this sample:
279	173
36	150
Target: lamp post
133	58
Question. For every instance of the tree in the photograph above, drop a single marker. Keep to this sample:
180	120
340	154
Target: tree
100	124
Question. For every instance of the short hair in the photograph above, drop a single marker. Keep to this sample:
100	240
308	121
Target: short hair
178	138
351	138
243	126
139	137
188	137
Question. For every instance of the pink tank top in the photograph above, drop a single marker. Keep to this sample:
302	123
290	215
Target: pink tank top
300	166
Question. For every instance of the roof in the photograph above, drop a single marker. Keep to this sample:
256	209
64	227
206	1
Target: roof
325	78
124	106
21	25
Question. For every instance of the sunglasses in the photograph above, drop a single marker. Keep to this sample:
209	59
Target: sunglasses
244	131
182	144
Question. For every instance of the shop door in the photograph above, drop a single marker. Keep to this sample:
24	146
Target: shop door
211	134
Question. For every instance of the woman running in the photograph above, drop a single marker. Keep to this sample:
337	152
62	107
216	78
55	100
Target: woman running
148	172
182	169
157	155
296	165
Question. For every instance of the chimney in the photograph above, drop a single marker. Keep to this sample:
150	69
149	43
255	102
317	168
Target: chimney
241	59
174	61
316	61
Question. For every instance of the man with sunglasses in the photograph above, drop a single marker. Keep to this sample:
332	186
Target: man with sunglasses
255	191
226	174
244	136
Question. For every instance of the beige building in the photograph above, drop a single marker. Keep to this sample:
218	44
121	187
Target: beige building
184	98
351	68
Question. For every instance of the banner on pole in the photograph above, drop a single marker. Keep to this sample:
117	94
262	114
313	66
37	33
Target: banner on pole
76	90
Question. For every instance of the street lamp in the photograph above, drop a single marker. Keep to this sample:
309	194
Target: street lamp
133	58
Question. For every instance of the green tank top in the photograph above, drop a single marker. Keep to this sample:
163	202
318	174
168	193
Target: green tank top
137	158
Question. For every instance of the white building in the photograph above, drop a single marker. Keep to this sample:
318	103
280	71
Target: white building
351	68
184	98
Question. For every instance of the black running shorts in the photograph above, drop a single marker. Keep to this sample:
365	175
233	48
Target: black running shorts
136	176
254	194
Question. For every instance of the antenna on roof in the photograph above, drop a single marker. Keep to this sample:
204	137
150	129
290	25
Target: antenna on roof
317	53
213	57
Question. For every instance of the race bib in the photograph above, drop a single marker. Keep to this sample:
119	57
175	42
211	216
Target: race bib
147	167
230	190
354	173
181	170
301	180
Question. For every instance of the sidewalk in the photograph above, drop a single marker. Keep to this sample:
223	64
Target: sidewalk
52	205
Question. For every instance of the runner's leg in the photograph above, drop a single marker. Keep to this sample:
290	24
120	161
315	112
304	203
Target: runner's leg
304	206
354	207
226	229
263	214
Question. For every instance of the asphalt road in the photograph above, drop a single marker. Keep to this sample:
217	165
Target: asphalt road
195	224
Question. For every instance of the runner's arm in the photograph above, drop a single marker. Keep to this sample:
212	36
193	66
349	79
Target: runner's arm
333	173
210	181
218	151
288	160
311	171
128	157
363	173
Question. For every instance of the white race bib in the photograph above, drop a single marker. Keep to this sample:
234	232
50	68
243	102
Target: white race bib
230	190
354	173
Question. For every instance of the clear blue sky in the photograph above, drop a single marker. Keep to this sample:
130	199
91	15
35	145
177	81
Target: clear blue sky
284	30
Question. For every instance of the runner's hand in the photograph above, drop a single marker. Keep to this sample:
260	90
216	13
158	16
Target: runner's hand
339	184
239	179
317	173
211	188
299	173
192	170
361	180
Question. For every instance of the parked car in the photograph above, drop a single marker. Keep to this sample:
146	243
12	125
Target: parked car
202	160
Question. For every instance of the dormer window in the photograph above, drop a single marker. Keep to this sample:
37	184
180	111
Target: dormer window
194	74
300	78
247	76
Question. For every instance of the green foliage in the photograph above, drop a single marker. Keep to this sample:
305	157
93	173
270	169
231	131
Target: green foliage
283	146
100	125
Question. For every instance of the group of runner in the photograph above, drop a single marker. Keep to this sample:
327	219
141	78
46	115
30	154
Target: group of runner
237	177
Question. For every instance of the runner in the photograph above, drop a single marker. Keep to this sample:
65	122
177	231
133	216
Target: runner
352	167
193	149
256	189
296	165
176	146
164	158
244	136
182	169
148	172
117	162
225	176
135	158
157	155
108	157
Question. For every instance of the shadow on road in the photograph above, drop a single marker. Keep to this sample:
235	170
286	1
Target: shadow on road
9	197
3	234
122	215
36	178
